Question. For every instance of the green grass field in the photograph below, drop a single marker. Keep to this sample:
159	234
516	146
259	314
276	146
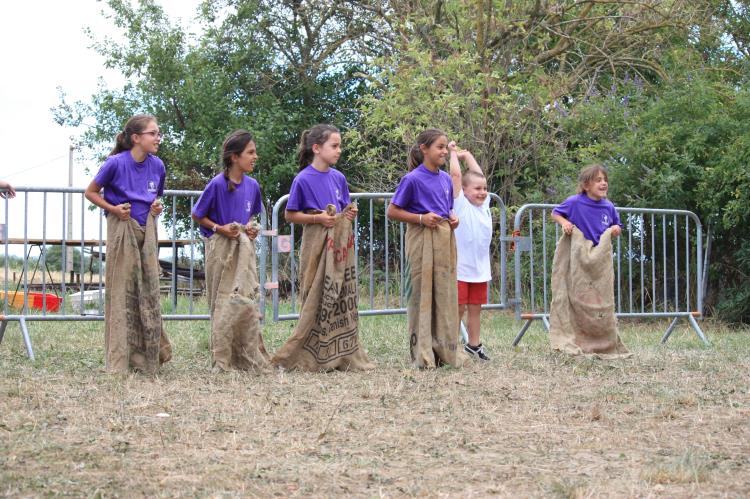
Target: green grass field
672	421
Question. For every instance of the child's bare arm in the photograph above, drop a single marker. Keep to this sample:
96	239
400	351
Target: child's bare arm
455	169
470	161
231	231
399	214
566	225
299	217
121	211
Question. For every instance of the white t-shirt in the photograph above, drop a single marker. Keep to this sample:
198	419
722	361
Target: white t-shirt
473	237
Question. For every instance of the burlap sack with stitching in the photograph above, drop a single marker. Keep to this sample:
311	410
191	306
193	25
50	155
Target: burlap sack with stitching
326	336
233	291
582	313
432	296
133	333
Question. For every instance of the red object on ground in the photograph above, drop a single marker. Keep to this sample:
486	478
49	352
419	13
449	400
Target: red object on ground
36	300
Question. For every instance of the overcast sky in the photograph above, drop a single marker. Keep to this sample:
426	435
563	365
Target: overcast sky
44	46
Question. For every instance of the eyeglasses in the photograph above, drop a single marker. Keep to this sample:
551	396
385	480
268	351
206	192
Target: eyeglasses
153	133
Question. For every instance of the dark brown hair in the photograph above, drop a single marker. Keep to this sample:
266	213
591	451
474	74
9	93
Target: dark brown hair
426	139
318	134
135	125
589	173
235	143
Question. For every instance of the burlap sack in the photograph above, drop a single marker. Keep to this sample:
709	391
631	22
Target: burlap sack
133	333
326	336
432	296
582	313
232	282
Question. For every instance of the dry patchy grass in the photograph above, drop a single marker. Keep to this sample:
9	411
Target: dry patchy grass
671	421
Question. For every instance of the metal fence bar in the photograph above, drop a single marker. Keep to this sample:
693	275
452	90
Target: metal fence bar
642	224
544	260
66	199
356	252
619	274
503	249
687	261
192	257
82	272
664	256
676	276
653	264
371	268
5	236
263	262
293	277
387	256
629	253
401	269
25	252
100	296
174	255
531	259
42	255
274	248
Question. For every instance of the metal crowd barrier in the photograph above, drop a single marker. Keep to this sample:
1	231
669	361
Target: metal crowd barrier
52	301
658	259
379	249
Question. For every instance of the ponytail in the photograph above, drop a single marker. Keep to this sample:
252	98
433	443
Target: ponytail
234	144
318	134
305	154
415	157
426	138
135	125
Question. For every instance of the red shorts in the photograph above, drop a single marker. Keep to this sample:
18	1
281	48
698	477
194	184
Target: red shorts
472	293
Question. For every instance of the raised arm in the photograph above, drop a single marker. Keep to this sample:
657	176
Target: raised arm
455	168
470	162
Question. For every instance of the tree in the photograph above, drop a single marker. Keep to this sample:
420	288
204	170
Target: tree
275	68
500	76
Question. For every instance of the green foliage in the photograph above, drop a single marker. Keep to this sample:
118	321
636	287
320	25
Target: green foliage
682	145
273	68
499	77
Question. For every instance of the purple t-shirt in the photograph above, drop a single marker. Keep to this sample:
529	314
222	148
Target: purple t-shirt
314	190
126	181
422	191
591	217
224	207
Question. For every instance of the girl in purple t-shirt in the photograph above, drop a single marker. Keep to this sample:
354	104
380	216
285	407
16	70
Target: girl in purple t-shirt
231	196
318	184
325	337
225	208
424	200
132	178
589	210
425	194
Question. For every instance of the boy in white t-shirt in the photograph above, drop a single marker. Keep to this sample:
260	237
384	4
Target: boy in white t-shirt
472	206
